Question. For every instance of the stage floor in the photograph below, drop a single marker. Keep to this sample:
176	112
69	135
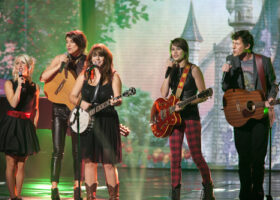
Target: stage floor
146	184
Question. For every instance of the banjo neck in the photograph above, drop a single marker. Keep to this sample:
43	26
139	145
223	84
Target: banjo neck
102	106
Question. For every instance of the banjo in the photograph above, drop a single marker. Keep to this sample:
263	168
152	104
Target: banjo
86	118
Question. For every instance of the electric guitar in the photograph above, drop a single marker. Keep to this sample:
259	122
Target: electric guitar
59	87
86	118
164	117
241	105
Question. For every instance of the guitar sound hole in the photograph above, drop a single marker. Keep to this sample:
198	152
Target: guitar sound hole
251	106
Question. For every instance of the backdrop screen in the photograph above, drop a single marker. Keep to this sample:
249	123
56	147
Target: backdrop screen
139	33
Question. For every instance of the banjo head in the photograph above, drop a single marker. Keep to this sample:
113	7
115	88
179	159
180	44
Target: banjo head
84	119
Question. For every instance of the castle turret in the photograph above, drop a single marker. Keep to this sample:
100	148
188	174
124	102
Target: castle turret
241	14
192	35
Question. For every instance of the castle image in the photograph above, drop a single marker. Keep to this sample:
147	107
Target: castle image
217	135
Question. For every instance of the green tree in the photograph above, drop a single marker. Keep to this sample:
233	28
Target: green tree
99	17
34	27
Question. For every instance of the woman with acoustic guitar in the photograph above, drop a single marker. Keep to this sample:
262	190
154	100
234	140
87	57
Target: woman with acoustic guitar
18	138
178	67
67	66
101	143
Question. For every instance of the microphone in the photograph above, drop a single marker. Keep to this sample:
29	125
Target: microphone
91	67
20	73
20	76
225	73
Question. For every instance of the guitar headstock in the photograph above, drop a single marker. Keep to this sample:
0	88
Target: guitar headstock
131	91
205	93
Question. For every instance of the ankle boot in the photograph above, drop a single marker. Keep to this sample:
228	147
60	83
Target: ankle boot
55	194
208	193
78	194
91	191
113	192
175	192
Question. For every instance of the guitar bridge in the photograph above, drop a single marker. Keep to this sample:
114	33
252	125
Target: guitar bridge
238	106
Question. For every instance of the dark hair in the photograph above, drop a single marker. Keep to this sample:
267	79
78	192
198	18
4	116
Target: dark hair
246	37
79	38
106	69
182	43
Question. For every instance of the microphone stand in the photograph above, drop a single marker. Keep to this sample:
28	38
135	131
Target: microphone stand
269	197
77	116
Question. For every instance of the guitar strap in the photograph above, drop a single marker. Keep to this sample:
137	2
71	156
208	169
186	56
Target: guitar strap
182	81
95	93
271	113
260	70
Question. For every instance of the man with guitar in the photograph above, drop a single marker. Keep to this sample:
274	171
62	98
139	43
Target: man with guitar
248	71
59	78
185	79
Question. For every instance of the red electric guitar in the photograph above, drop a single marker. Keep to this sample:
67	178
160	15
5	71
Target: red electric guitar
164	117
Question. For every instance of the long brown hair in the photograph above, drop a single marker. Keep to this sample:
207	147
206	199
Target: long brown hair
107	68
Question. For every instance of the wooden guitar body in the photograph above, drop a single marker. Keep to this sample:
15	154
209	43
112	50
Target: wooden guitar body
162	120
241	105
59	87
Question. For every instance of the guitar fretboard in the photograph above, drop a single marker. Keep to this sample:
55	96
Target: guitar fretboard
262	103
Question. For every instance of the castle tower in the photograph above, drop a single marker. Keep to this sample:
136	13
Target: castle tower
192	35
241	14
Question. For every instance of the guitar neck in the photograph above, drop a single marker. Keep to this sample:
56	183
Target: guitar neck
102	106
187	101
262	103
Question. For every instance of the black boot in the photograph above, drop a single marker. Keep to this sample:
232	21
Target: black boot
208	193
91	191
113	192
55	194
78	194
175	193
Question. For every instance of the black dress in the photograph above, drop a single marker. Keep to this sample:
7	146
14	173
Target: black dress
102	144
18	136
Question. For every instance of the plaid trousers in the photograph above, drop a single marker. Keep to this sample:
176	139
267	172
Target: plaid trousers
192	128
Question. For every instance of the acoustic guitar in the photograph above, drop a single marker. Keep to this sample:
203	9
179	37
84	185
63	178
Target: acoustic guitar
164	117
59	87
241	105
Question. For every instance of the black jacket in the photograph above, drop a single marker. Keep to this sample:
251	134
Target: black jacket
235	79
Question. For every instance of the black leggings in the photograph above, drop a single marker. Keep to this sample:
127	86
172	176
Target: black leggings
60	114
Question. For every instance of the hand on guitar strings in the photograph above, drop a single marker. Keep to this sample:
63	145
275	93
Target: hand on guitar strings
270	103
177	107
84	105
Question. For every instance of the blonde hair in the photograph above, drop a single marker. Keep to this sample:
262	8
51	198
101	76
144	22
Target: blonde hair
30	63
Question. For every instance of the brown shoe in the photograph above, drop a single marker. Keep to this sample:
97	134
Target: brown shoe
91	191
113	192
